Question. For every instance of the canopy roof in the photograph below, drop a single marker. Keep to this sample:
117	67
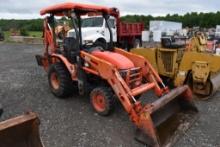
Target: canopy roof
84	8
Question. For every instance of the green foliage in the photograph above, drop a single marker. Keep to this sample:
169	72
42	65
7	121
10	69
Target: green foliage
205	20
24	32
30	25
189	20
38	34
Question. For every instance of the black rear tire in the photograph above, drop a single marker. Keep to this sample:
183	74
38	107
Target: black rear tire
105	104
63	87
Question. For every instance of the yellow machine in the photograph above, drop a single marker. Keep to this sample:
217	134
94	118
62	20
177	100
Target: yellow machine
198	43
191	65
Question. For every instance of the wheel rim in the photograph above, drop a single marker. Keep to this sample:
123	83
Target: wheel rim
55	82
98	101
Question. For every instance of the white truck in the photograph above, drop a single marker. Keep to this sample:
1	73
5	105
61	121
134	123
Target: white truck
95	32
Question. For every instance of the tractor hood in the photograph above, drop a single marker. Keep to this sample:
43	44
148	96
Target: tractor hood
120	61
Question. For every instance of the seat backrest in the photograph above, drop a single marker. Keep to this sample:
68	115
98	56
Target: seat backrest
71	48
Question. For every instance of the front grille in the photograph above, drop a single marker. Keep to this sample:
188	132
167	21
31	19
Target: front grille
132	77
167	58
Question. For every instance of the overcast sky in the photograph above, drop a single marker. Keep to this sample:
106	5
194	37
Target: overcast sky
26	9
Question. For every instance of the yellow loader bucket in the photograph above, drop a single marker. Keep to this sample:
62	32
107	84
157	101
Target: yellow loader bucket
21	131
165	119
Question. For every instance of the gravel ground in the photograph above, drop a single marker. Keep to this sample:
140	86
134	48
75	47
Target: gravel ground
72	122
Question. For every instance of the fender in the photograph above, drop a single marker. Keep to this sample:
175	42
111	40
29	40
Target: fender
70	67
95	37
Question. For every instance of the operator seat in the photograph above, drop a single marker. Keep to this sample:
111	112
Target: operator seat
71	49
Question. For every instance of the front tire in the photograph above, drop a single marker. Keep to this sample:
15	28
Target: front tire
102	100
60	81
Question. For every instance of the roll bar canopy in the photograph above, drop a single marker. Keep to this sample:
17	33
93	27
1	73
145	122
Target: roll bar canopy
81	9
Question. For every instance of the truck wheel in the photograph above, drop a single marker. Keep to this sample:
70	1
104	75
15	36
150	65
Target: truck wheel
102	100
60	81
101	45
137	43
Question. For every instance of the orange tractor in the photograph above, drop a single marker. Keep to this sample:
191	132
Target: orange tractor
112	74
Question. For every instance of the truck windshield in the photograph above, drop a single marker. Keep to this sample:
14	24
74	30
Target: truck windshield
92	22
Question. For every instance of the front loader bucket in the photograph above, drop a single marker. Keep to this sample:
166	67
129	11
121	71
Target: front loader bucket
22	131
163	121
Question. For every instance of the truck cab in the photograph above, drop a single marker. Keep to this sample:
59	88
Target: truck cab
95	31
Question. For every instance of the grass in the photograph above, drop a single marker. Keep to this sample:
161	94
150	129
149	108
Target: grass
7	34
31	34
35	34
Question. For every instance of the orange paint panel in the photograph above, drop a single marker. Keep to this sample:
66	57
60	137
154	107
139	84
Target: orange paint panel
69	6
120	61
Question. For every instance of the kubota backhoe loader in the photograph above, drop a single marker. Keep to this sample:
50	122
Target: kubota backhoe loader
21	131
190	65
112	74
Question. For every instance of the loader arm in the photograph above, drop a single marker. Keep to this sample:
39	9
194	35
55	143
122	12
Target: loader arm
136	111
148	71
140	114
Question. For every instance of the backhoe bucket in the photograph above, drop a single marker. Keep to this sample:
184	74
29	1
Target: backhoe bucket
22	131
163	121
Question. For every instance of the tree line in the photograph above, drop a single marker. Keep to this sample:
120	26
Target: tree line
30	25
204	20
194	19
